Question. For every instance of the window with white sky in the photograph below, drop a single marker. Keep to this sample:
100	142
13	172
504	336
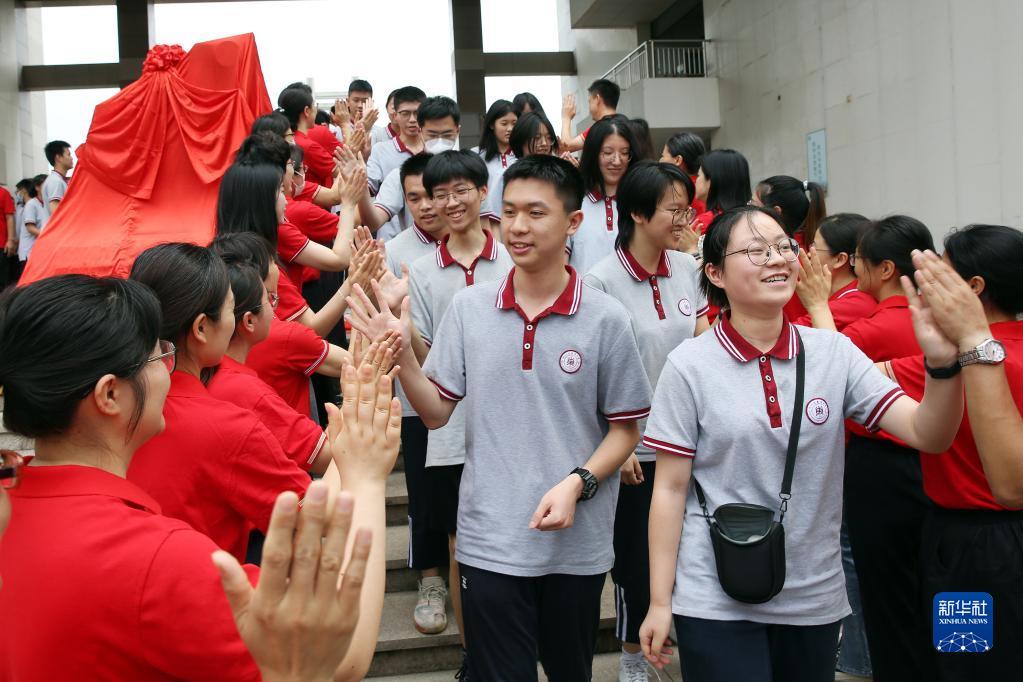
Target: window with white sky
321	42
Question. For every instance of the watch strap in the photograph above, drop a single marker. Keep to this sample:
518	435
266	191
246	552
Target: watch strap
943	372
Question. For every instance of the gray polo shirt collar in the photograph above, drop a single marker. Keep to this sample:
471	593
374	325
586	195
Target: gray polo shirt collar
637	273
609	210
565	304
743	351
444	257
424	237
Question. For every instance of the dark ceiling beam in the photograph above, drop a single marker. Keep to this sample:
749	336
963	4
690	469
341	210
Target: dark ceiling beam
70	76
529	63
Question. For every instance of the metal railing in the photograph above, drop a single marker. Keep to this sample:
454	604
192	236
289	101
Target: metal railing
661	59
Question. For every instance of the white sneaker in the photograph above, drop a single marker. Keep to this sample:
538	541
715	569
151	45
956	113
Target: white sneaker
430	616
632	669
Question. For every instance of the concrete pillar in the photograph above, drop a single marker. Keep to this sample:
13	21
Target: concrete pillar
135	31
466	26
22	115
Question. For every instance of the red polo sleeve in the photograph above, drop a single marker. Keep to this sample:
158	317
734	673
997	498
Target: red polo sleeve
299	436
6	203
317	159
306	350
191	643
314	222
291	303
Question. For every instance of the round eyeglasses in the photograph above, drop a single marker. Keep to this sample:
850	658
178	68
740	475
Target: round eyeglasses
167	355
681	216
759	252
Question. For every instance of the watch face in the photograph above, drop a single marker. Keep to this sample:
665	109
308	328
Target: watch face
993	351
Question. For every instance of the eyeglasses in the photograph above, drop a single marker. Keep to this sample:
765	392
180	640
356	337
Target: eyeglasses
680	216
10	468
275	299
611	154
461	195
167	354
406	114
759	252
301	171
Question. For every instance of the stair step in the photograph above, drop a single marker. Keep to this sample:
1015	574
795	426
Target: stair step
402	650
397	499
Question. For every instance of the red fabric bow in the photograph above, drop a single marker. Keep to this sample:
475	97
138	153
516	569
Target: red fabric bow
162	58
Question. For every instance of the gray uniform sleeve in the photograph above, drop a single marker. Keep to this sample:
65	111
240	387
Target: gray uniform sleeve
53	189
868	392
374	171
421	304
390	197
592	280
673	425
445	366
623	392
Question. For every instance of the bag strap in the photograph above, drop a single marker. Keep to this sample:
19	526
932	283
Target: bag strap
790	454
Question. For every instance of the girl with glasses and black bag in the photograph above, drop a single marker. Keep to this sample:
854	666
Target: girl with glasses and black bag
751	417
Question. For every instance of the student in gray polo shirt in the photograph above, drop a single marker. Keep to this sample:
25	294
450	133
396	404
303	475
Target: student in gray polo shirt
466	256
390	153
553	384
428	549
659	286
58	155
721	414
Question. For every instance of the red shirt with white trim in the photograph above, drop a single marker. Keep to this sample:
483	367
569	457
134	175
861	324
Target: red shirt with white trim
316	223
290	243
847	305
286	360
322	135
728	406
291	304
538	396
955	479
214	466
98	585
300	437
317	159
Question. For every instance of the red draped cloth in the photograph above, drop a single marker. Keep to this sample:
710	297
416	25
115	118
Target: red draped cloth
150	168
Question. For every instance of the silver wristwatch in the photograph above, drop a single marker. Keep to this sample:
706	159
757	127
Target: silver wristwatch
989	352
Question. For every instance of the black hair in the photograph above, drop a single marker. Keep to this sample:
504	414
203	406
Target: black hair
715	245
488	139
292	102
244	247
264	148
390	96
54	149
523	99
608	91
993	252
561	174
275	122
526	128
642	189
728	172
24	184
455	165
188	280
409	93
359	85
247	201
322	117
414	165
894	238
247	287
39	180
59	335
589	162
644	143
801	204
842	232
29	185
297	156
435	108
690	147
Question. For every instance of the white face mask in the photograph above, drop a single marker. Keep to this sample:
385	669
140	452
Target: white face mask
440	144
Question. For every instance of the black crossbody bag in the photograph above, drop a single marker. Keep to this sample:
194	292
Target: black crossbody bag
749	545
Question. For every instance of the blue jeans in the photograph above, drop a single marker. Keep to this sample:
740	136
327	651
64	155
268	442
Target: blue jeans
853	654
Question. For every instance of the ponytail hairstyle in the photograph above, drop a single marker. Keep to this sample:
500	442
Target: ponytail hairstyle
293	101
994	253
894	238
801	204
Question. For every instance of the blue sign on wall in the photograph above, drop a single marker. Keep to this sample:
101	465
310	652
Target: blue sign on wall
817	157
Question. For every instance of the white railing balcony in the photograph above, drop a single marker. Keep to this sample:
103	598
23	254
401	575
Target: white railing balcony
662	59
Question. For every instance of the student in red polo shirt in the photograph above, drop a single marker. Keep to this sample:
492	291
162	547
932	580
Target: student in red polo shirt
84	539
885	503
685	149
973	537
235	466
719	418
297	104
721	183
801	206
602	100
835	246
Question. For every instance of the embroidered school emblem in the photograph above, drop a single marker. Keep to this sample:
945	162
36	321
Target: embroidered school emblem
570	361
685	307
817	411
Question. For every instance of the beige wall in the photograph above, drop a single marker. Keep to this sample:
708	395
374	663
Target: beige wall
22	115
922	100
